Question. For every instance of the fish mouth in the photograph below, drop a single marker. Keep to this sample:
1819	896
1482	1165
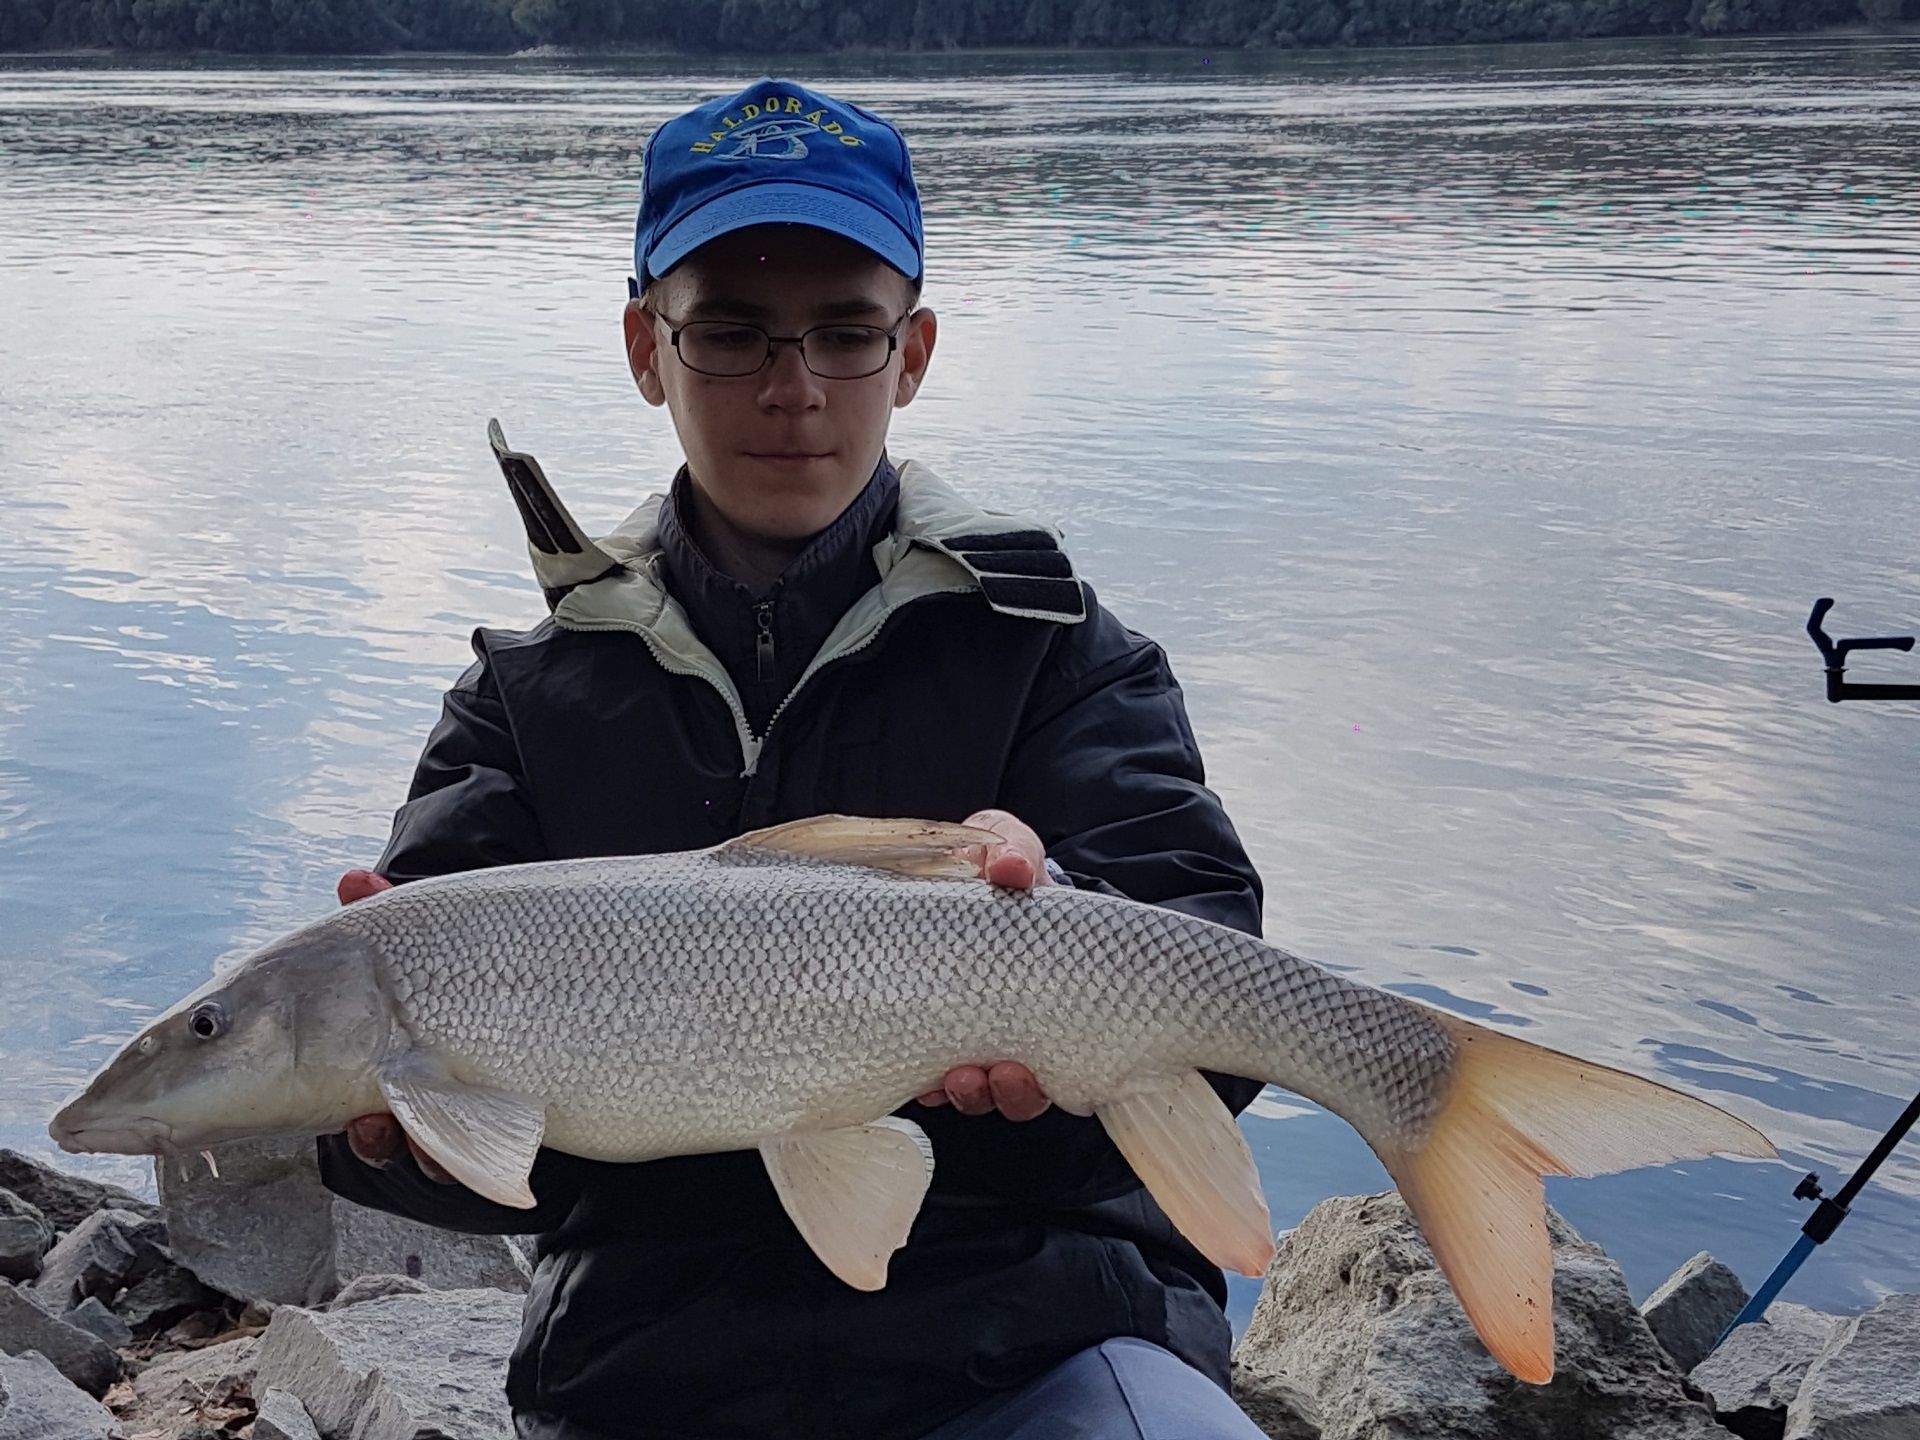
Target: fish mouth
133	1135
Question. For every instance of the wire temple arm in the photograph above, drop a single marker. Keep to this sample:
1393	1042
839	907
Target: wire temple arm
1834	652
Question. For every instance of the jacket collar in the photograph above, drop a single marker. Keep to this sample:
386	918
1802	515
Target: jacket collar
765	640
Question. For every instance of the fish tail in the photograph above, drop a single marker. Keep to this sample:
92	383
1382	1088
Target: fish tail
1515	1112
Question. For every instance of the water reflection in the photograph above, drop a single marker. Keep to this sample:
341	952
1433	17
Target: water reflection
1474	428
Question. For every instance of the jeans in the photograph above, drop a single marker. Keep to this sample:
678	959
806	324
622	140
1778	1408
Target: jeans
1122	1389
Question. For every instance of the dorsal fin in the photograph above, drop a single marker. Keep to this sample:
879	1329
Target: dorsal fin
928	848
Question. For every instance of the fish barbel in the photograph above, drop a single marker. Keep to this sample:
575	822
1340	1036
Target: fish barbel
789	989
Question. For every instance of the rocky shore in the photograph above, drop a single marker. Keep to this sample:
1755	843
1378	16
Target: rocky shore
259	1305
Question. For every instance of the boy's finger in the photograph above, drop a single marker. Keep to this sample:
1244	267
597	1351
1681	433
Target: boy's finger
1016	1093
967	1088
373	1139
358	884
1019	861
429	1167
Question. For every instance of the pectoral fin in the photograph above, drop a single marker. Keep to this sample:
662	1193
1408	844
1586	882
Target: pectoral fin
1184	1145
928	848
486	1138
853	1193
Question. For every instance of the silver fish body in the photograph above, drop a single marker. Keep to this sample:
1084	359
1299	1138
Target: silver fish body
789	990
677	1004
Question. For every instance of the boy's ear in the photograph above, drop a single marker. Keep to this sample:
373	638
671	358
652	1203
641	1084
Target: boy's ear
643	351
916	352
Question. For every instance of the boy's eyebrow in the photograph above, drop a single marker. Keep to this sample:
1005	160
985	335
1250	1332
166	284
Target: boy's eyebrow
748	310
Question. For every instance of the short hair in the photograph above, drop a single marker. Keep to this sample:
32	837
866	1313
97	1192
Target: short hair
647	292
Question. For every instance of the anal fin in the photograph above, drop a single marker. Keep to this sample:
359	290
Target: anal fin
853	1193
1185	1146
485	1137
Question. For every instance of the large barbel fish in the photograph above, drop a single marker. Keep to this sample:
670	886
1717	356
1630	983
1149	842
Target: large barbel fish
789	989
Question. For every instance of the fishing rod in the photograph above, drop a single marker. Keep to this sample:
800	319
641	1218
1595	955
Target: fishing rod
1830	1210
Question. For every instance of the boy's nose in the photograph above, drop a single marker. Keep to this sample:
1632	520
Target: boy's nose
787	380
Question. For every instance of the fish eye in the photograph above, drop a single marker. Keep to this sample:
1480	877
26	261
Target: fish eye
208	1020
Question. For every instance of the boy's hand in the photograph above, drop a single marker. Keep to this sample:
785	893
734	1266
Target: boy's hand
376	1139
1019	863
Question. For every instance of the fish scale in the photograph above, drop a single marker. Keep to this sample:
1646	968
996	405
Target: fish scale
662	1004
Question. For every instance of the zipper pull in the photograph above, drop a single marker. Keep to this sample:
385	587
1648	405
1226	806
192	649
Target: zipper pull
763	613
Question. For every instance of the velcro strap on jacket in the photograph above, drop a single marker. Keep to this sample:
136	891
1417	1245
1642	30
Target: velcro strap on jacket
1020	572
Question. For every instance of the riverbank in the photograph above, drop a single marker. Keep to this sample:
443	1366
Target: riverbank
227	1313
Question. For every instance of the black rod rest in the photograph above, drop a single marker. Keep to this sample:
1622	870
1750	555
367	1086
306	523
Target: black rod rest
1834	652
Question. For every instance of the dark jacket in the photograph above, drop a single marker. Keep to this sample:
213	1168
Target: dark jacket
674	1298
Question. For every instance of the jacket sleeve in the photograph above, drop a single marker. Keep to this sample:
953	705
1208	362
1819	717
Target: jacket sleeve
1107	772
467	809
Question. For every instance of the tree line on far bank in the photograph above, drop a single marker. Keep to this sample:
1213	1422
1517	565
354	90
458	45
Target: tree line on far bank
501	26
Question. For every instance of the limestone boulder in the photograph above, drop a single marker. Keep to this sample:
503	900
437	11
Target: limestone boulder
1865	1383
83	1358
376	1287
1281	1409
104	1252
282	1417
65	1199
25	1237
1693	1308
1752	1378
97	1320
1356	1312
404	1367
37	1402
267	1229
372	1242
261	1230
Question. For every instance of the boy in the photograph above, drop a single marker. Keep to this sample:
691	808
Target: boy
800	629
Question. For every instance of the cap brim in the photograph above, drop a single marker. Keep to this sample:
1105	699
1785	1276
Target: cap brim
786	204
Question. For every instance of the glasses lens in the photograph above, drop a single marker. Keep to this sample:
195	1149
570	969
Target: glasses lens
846	352
715	348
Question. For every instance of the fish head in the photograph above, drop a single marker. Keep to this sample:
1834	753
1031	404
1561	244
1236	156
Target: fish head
284	1043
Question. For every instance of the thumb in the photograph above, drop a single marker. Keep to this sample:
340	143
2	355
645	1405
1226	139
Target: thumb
358	884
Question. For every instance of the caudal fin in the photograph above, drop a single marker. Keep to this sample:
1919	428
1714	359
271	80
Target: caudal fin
1513	1113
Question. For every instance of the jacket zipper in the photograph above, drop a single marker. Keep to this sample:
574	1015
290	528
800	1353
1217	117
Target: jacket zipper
763	667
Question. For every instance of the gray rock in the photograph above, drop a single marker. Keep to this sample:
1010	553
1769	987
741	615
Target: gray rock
64	1199
97	1320
37	1402
267	1229
376	1287
402	1368
105	1251
283	1418
169	1293
1753	1377
25	1236
1865	1385
1356	1312
1281	1409
263	1230
1693	1308
372	1242
191	1390
84	1359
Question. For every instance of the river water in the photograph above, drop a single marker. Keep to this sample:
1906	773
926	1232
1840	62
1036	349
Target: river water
1475	429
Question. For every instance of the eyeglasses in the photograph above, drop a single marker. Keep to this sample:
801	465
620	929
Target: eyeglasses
728	349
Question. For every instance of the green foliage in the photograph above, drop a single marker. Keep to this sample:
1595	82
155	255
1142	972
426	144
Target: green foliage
374	26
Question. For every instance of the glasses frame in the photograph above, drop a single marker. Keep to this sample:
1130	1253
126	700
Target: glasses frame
892	332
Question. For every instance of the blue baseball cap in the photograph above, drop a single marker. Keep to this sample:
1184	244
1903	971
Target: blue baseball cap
776	153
